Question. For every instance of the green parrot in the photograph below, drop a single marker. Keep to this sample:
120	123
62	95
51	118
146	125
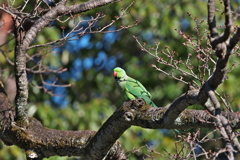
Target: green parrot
131	88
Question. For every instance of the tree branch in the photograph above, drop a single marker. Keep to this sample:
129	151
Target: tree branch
211	18
20	72
228	21
107	135
40	142
58	11
235	39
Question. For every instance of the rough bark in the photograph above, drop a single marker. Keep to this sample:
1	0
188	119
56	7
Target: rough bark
40	142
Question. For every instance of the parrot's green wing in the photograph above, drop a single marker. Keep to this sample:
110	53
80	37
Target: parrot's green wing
134	89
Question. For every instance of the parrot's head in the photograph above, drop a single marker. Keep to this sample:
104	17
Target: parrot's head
118	72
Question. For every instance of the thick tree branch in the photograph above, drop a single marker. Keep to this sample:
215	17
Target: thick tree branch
20	72
228	21
43	142
179	105
211	18
222	124
107	135
40	142
235	39
149	117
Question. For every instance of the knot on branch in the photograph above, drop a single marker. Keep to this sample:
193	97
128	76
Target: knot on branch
133	107
136	105
221	50
129	116
139	102
30	154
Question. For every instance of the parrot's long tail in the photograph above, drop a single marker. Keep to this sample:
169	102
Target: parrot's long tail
152	104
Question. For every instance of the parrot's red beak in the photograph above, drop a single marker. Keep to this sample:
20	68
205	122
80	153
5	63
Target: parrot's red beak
114	74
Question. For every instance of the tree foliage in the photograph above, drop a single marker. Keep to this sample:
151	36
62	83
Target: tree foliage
57	58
